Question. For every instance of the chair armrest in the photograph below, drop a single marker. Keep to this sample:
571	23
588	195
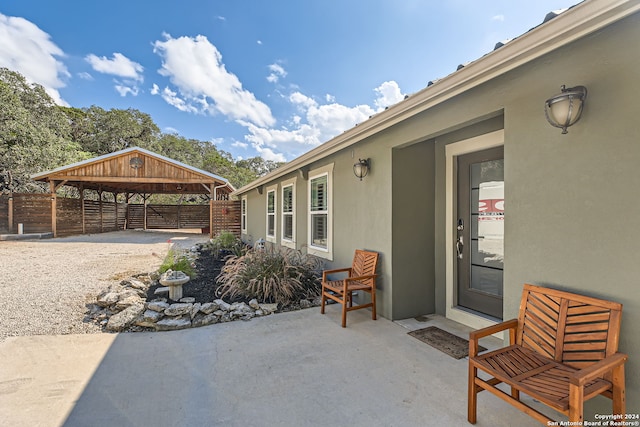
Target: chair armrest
490	330
358	278
474	336
338	270
599	368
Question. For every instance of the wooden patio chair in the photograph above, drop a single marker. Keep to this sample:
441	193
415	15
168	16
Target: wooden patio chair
361	276
563	351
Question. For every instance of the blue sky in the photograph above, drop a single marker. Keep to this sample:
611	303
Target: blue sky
269	78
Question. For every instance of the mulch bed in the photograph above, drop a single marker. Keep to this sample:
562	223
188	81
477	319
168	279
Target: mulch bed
203	286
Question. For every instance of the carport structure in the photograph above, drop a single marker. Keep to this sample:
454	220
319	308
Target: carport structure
129	172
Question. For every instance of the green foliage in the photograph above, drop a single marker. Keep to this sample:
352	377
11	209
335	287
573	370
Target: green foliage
226	243
36	135
280	275
178	261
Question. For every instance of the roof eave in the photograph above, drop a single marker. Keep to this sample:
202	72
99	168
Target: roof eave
582	19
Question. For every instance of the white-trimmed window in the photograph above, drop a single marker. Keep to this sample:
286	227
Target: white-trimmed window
272	201
320	219
243	215
289	213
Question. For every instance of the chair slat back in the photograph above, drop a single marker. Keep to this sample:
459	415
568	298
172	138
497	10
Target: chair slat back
574	329
364	264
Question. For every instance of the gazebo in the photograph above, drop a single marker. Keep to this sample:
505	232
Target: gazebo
129	172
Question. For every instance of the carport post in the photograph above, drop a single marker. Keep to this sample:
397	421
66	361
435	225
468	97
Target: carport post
84	226
10	220
211	200
54	220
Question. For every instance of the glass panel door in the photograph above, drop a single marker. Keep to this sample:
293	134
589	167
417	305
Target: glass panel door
480	231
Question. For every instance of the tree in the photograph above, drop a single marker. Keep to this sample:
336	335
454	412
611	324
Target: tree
103	132
34	134
259	166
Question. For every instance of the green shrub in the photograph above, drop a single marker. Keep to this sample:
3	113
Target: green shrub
226	243
177	261
281	276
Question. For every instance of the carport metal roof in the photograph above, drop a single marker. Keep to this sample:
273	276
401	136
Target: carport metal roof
136	170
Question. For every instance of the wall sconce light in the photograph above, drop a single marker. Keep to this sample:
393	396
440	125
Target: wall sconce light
564	109
361	169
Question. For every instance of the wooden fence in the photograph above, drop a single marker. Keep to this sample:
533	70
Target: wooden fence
226	216
4	213
75	216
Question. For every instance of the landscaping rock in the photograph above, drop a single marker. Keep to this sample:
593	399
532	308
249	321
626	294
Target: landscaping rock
107	298
269	308
159	306
305	303
209	307
194	309
178	309
128	300
118	322
122	307
204	319
152	316
223	305
162	290
173	323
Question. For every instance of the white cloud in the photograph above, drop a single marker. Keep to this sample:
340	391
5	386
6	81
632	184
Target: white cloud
277	72
85	76
27	49
173	99
499	18
125	90
388	94
301	100
155	89
315	123
268	154
119	65
239	144
195	67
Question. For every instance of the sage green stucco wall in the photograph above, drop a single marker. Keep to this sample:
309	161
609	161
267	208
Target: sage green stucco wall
571	200
413	203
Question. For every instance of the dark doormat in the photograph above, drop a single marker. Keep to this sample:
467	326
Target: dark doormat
450	344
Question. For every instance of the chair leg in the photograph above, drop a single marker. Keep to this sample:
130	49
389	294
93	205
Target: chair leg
619	403
344	312
576	404
373	301
472	398
322	301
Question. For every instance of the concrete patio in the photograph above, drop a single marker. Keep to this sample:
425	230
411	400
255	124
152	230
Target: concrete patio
290	369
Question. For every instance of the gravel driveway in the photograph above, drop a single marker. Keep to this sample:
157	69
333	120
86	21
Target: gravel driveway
46	284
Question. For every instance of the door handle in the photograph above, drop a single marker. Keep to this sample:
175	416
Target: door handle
459	246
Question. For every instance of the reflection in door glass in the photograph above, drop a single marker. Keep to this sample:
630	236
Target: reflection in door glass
487	214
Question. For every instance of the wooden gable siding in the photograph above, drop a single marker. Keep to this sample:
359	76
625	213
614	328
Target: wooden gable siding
112	169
